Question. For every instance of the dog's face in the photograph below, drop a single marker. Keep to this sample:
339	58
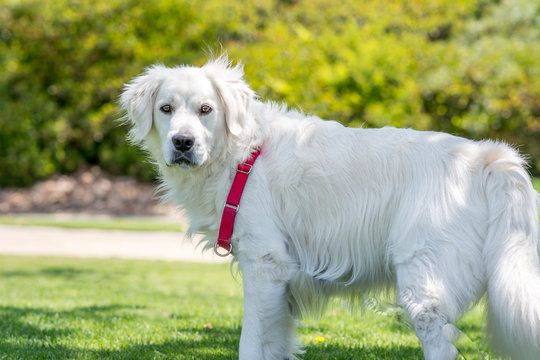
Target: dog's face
193	111
188	117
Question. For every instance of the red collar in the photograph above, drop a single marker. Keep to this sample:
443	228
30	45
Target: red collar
232	204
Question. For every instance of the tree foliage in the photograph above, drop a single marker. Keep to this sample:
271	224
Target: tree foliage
465	67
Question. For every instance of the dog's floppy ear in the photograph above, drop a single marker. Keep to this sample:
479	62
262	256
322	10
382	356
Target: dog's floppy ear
233	91
138	99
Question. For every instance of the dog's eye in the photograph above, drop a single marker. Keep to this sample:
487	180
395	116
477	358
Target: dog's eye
166	108
205	109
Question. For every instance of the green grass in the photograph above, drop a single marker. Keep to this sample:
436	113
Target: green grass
62	308
103	223
536	184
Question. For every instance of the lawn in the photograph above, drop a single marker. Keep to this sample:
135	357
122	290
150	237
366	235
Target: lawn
62	308
133	223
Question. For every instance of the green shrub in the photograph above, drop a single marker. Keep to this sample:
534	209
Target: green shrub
469	68
65	64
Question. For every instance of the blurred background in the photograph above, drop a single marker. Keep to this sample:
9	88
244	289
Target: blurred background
470	68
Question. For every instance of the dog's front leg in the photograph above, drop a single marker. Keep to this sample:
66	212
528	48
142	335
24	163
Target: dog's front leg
269	330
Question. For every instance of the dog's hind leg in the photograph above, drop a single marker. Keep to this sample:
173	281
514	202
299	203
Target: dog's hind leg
421	297
269	329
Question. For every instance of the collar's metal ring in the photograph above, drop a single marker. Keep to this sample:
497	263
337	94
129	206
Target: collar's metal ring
222	254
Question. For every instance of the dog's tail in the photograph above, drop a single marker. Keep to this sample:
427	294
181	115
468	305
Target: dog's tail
511	256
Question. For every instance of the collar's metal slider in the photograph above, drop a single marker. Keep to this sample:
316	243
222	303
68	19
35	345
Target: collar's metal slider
244	168
232	206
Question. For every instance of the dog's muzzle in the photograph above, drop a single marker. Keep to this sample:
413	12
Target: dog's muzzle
183	151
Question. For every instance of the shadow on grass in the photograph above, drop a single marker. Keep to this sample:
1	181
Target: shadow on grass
217	343
316	352
37	325
50	338
40	333
10	316
56	271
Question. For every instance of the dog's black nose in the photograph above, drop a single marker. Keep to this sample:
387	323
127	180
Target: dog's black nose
183	143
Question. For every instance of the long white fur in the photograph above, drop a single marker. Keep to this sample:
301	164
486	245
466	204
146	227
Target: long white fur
333	210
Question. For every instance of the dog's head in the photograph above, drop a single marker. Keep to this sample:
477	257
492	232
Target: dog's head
191	110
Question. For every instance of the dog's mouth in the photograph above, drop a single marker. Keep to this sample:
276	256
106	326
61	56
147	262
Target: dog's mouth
183	161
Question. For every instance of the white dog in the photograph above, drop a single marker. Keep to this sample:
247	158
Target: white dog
330	210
